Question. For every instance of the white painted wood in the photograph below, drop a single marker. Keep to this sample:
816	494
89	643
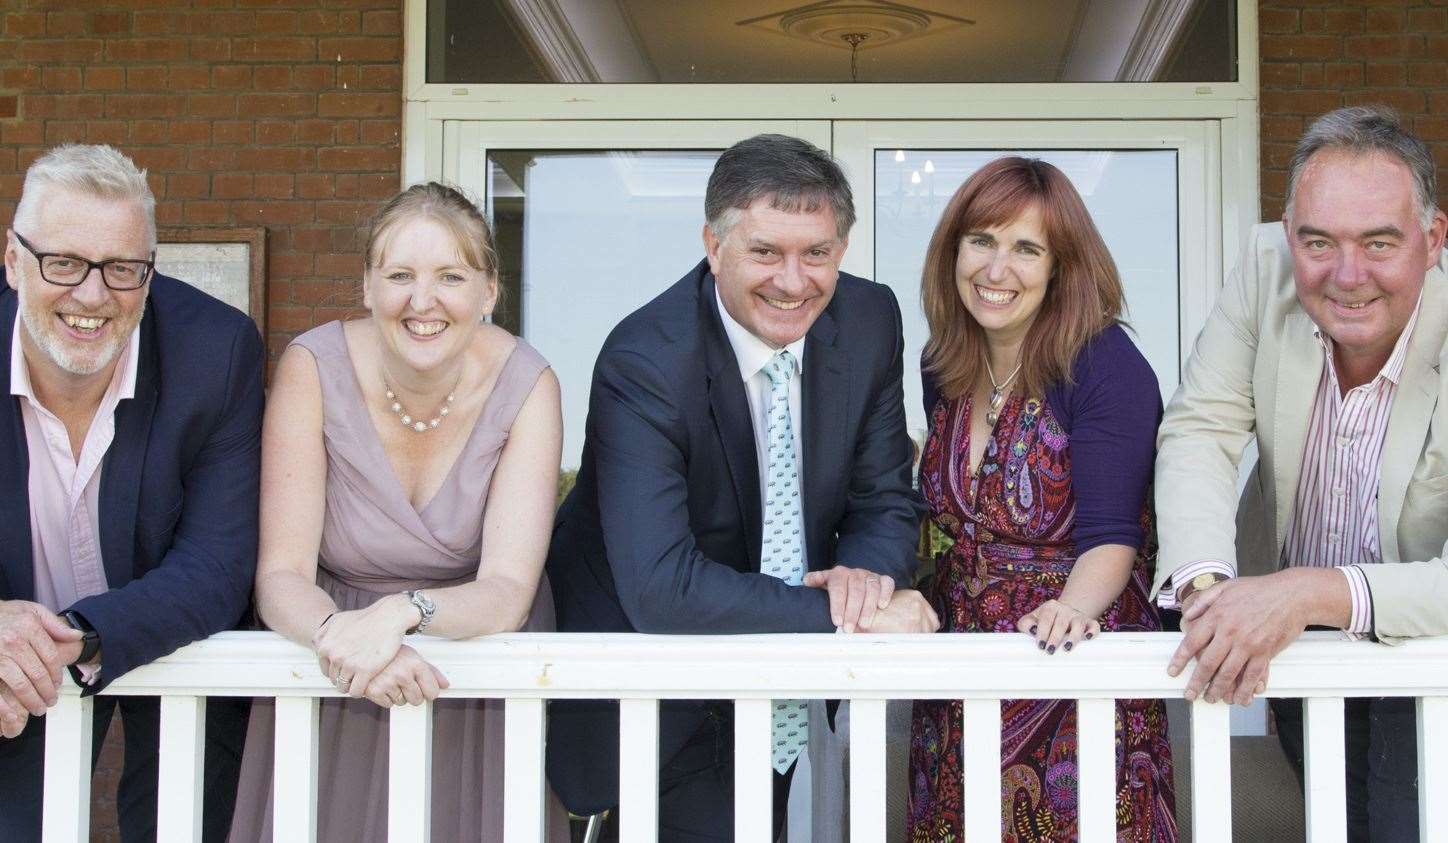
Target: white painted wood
1211	770
1096	745
867	771
523	759
638	774
1432	768
66	804
294	774
981	768
1325	783
182	763
753	771
563	665
409	774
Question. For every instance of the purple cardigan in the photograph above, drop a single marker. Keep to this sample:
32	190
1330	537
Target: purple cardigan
1110	412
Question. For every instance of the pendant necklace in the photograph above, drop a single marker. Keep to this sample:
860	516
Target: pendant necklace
417	424
998	391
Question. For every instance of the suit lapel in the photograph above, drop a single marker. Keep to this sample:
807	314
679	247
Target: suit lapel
1299	370
1412	410
826	399
121	471
17	563
730	407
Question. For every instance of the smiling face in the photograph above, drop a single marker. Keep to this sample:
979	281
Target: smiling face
77	331
1359	251
1001	274
776	270
424	297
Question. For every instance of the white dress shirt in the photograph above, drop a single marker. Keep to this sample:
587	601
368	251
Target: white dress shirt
753	353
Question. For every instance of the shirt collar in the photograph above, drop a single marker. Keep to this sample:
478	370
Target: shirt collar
123	379
752	352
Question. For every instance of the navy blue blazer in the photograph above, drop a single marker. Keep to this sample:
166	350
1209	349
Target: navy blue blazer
662	532
178	494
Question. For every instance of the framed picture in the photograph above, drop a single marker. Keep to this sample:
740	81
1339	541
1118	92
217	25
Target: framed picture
228	263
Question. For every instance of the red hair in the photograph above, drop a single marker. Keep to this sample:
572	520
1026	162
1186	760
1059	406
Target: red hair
1082	298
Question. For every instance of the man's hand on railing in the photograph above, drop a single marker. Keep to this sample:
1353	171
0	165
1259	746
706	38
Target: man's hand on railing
1234	629
408	678
855	594
35	646
908	611
1056	624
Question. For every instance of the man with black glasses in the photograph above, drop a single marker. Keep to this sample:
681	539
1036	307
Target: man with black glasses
129	468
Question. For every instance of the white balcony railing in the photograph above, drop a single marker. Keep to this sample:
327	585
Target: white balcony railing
528	670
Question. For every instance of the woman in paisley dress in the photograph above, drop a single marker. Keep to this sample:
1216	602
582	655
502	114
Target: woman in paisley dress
1037	465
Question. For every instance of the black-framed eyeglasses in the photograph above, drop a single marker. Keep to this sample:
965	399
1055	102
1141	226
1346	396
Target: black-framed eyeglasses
70	270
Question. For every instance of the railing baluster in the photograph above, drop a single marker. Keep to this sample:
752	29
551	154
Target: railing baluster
638	774
753	769
66	804
1432	767
1211	770
523	759
294	771
409	774
981	768
1325	782
867	771
1096	746
182	762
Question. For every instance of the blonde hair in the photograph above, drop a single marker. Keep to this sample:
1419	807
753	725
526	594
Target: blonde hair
447	205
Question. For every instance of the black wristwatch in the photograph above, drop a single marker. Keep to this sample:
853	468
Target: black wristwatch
90	642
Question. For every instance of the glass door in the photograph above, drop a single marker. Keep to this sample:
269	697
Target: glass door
593	219
1145	183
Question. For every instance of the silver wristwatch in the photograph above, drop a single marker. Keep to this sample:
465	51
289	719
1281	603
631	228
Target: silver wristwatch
425	607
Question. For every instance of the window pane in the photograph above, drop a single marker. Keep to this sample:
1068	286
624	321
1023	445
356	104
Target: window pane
584	239
1131	195
759	41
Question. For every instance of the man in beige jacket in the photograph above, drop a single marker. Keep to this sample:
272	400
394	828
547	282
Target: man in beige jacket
1324	347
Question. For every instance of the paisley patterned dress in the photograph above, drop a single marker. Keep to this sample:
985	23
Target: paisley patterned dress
1011	525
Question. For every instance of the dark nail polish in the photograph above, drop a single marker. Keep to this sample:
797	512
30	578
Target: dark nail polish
1041	645
1033	629
1051	650
1068	646
1088	636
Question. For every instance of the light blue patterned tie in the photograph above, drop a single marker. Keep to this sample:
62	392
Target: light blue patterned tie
781	553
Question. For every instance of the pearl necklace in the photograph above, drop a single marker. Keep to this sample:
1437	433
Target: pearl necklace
998	391
419	425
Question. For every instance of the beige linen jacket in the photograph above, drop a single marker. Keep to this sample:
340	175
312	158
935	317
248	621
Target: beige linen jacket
1254	372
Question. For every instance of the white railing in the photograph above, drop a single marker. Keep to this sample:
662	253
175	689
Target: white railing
527	670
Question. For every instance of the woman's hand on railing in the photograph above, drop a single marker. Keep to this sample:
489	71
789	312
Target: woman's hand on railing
352	647
1056	624
408	678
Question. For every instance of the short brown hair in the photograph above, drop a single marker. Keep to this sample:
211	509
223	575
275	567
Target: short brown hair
1083	296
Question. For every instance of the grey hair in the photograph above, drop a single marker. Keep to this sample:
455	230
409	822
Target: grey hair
1363	129
97	170
796	175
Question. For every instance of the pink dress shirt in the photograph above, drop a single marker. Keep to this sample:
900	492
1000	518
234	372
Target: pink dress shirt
1334	520
65	490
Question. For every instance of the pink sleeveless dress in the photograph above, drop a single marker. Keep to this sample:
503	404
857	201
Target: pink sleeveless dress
374	543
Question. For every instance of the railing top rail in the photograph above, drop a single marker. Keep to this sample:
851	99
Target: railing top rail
559	665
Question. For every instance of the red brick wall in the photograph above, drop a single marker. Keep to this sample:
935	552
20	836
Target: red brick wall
280	113
1318	55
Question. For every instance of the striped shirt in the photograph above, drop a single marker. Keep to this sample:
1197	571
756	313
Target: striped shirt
1334	518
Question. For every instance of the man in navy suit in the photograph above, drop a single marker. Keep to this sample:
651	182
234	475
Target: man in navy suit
746	469
129	463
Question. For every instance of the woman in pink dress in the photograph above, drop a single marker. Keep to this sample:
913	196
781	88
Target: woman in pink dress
409	469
